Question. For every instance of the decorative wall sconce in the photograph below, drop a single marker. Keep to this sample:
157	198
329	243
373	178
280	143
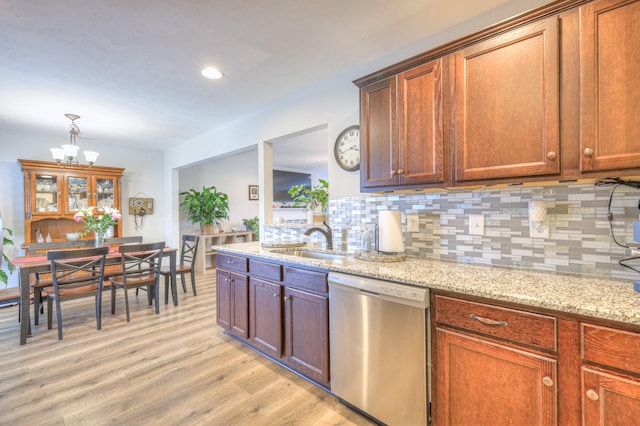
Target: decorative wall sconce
538	219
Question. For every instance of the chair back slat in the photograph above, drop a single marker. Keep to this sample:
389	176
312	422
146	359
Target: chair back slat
141	259
41	248
77	267
137	239
189	249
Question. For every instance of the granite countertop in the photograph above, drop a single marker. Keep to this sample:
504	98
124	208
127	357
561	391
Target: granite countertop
584	295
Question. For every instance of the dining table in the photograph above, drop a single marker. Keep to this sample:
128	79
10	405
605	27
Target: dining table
28	265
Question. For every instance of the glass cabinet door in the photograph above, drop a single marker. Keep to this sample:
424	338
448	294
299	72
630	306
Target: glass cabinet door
46	190
77	193
104	192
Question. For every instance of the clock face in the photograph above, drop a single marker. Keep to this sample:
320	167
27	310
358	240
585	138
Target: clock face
347	148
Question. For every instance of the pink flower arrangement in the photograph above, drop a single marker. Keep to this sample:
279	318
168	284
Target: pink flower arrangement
96	221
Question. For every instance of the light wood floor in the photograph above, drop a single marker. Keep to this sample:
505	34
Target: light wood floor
168	369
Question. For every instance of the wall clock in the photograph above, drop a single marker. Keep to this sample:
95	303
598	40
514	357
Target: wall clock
347	148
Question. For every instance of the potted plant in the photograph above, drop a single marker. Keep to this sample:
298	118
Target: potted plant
206	207
253	225
313	200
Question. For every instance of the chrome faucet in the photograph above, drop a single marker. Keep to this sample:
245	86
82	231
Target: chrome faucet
326	232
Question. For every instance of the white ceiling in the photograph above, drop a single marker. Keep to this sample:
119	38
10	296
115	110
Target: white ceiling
131	68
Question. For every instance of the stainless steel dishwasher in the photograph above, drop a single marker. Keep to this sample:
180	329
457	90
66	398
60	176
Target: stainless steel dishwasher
378	334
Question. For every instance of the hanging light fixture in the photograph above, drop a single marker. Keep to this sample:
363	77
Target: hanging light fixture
67	154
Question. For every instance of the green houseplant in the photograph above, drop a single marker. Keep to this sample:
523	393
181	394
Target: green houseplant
253	225
314	199
205	207
6	241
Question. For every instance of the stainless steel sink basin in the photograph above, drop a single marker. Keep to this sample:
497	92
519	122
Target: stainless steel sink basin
311	254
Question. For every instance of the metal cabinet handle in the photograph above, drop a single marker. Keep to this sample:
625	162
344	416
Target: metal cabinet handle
547	381
393	172
588	151
275	295
592	395
229	262
551	155
400	171
287	298
488	321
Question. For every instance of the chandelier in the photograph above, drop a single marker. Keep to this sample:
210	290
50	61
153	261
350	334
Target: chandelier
67	154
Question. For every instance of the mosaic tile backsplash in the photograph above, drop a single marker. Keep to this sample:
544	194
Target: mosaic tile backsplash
580	239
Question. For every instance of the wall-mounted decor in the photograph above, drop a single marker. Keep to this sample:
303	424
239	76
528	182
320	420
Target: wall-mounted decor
253	192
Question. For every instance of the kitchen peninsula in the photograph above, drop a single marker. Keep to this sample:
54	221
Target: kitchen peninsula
559	329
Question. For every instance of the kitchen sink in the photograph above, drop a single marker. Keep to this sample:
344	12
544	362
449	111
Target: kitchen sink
311	254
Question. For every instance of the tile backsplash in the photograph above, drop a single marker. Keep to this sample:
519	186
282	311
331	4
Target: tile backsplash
580	239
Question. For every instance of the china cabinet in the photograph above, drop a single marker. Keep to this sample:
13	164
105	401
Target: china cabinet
52	195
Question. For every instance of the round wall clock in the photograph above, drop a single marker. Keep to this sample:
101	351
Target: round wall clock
347	148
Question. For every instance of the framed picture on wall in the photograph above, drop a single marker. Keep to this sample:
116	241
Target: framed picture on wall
253	192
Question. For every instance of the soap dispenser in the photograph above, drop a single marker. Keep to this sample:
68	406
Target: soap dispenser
366	241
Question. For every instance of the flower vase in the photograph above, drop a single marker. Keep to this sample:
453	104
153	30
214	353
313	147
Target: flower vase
99	239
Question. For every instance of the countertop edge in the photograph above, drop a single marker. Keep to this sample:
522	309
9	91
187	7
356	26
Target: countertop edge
591	296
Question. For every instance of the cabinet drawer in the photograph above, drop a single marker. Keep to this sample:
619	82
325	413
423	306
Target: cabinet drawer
269	271
517	326
232	263
303	278
611	347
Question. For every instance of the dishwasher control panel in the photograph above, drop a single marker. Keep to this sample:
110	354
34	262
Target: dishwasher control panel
401	292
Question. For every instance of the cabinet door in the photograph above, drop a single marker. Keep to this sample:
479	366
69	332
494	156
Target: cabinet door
232	302
608	399
239	305
420	124
609	89
479	382
307	334
46	189
266	317
223	299
507	113
378	150
104	192
77	191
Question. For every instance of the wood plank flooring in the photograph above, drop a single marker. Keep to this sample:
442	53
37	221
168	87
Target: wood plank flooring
168	369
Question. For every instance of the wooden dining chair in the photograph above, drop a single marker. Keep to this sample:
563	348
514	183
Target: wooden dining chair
74	274
141	265
188	253
41	280
113	270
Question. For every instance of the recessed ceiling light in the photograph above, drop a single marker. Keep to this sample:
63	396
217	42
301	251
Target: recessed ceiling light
211	73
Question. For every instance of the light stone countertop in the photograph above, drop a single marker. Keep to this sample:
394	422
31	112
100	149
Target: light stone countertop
584	295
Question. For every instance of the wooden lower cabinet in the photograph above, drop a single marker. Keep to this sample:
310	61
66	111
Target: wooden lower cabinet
281	311
610	393
265	313
232	302
485	383
307	333
609	399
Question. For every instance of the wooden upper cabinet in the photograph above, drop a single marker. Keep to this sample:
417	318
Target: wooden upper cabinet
401	128
507	104
609	89
378	134
420	124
